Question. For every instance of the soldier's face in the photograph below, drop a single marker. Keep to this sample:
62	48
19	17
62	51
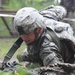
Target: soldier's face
28	38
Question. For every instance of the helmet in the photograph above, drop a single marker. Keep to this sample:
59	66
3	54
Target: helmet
28	19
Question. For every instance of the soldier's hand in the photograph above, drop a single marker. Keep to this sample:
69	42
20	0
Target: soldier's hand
2	65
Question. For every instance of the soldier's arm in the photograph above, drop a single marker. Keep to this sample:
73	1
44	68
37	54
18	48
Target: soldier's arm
49	53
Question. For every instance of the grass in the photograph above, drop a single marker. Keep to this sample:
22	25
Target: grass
6	44
3	29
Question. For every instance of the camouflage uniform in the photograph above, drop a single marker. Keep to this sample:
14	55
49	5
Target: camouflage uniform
63	30
43	51
50	49
57	42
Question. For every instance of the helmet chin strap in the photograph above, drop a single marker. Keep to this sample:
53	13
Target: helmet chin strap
36	36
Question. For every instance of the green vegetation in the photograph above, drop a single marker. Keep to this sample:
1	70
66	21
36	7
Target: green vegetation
3	30
6	44
19	71
17	4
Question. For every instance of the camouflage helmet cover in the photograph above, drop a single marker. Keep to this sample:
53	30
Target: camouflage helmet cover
29	19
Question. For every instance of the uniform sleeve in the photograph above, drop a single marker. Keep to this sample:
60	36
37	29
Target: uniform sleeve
24	56
49	53
21	56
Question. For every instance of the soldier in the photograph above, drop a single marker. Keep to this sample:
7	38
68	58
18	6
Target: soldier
48	40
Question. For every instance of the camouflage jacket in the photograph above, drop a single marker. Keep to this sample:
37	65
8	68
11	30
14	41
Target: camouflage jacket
46	50
66	35
52	48
57	43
